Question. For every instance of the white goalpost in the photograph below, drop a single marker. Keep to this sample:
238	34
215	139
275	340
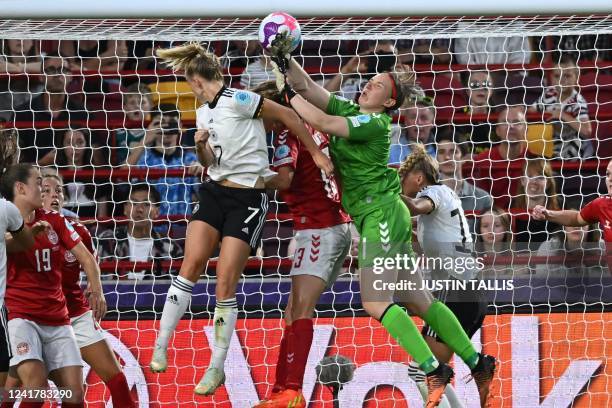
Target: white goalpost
551	333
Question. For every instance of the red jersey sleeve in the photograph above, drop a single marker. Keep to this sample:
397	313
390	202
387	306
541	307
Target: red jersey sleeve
85	236
590	212
285	151
66	232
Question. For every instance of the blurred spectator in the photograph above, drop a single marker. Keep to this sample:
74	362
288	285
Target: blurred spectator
450	156
498	170
257	72
594	47
239	53
18	56
573	244
478	87
537	187
86	199
419	122
95	55
569	111
493	230
137	107
491	50
165	114
138	241
354	75
37	143
141	58
425	51
177	193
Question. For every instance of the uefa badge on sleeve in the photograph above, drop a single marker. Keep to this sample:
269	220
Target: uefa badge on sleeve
243	98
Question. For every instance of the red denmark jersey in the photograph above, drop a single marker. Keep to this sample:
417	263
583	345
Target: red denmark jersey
34	281
71	274
313	198
600	210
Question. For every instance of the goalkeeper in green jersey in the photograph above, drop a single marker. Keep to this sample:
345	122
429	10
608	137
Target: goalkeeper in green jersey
359	147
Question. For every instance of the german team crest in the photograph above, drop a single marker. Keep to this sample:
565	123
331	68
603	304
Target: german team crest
52	236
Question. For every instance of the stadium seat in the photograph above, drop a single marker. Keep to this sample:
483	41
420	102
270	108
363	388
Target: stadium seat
177	93
540	139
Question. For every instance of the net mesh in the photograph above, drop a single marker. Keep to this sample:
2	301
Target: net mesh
100	101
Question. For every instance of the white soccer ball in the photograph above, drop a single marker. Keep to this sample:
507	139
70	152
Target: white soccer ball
277	23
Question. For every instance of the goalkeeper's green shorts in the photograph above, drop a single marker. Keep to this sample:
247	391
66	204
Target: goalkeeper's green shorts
384	233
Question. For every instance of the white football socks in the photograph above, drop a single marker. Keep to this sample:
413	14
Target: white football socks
177	300
226	313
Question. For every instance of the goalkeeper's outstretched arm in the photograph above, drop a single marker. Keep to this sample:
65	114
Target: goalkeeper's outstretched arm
304	85
569	218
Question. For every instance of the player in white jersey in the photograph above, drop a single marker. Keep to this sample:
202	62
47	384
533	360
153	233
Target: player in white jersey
442	233
22	237
231	142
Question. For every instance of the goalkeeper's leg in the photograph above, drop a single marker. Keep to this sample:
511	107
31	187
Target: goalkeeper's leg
386	235
445	325
201	240
232	260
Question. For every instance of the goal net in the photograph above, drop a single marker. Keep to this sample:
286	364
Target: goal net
90	101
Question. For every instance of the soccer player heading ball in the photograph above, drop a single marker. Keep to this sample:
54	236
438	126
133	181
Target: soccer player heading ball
231	142
359	147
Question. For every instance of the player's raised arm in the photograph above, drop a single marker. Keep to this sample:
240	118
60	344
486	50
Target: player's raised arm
569	218
272	111
94	285
318	119
304	85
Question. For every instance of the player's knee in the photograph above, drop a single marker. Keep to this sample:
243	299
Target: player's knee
412	309
302	308
225	290
374	309
191	269
32	374
77	394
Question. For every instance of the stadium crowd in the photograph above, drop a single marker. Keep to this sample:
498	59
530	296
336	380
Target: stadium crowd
508	138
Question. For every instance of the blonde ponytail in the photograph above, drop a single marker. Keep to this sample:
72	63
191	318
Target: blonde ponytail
193	59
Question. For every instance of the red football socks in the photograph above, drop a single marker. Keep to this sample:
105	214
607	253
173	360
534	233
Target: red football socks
120	392
281	363
298	348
